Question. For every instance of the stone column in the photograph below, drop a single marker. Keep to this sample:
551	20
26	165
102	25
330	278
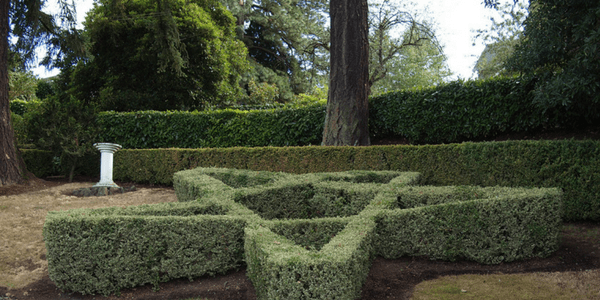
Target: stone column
106	163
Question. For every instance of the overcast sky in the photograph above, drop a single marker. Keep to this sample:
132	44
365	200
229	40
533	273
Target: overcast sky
455	21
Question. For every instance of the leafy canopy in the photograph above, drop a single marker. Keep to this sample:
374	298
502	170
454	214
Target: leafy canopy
161	55
561	50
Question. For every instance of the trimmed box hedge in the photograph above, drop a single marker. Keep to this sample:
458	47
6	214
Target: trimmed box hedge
486	225
573	166
308	236
105	250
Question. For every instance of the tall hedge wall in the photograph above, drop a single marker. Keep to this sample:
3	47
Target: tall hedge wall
290	126
458	111
454	112
571	165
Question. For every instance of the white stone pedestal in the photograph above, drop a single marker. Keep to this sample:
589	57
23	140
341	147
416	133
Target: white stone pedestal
106	163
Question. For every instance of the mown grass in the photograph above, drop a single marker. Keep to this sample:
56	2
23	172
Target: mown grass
557	286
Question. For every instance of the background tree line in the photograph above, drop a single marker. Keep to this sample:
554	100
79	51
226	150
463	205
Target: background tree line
141	54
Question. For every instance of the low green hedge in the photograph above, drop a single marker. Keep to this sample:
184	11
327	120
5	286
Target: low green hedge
292	251
282	269
486	225
573	166
105	250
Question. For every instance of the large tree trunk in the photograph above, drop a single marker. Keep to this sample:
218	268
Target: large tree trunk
9	164
347	119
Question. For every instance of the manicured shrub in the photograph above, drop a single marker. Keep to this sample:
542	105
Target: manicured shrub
308	236
571	165
106	250
457	111
289	126
487	225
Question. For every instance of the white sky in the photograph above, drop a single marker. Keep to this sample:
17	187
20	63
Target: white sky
456	22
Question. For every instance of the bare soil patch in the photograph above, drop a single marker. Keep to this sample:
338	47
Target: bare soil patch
24	268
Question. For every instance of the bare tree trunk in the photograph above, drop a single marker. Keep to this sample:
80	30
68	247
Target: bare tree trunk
347	119
9	163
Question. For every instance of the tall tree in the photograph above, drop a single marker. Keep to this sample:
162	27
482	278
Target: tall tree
32	27
288	38
404	51
9	166
346	121
420	66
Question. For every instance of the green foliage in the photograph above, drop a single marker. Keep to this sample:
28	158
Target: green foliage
20	107
19	128
262	93
45	89
310	234
304	201
224	128
287	42
115	248
20	111
561	49
294	258
447	113
456	111
40	162
417	66
570	165
281	269
17	106
500	225
22	86
66	127
501	39
179	55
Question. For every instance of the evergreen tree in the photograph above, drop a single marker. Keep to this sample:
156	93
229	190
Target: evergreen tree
288	41
162	55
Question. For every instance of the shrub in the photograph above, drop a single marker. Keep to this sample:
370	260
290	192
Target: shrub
292	255
569	165
223	128
105	250
65	126
456	111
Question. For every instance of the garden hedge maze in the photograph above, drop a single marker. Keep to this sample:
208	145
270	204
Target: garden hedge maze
309	236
